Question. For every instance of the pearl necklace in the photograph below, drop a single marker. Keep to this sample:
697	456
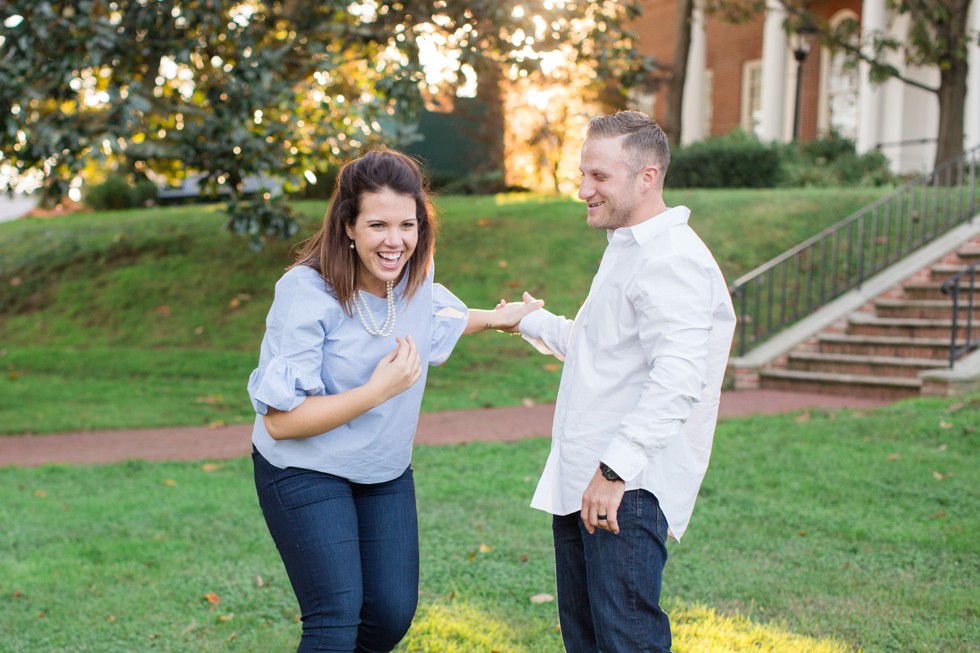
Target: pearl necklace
389	324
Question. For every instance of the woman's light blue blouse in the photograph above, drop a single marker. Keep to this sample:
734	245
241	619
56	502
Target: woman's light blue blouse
312	347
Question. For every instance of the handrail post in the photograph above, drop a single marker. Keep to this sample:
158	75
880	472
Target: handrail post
952	338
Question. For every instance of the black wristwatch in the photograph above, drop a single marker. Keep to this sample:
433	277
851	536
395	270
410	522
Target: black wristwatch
609	473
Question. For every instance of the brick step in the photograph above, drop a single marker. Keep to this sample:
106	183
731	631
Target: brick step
969	254
942	271
927	290
861	324
855	385
924	309
855	364
836	343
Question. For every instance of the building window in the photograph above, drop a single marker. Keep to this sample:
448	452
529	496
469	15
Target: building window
751	120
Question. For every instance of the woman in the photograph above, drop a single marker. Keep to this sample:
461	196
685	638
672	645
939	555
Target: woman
354	324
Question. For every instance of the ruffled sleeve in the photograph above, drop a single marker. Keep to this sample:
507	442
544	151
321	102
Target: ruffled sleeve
449	318
291	360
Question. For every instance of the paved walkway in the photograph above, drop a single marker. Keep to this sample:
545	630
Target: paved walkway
490	424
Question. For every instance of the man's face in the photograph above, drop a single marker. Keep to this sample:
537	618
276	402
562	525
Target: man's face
608	185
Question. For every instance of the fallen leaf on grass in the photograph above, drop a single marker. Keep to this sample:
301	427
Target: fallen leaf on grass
210	467
483	548
940	476
804	417
551	367
893	456
938	515
259	581
212	598
40	493
217	424
527	403
227	617
542	598
943	424
170	482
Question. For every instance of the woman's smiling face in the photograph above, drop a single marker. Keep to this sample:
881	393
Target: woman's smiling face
385	234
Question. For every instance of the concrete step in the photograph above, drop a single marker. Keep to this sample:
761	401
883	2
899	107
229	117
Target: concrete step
855	385
837	343
856	364
861	324
924	309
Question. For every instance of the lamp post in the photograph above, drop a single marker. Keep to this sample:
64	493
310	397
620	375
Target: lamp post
803	37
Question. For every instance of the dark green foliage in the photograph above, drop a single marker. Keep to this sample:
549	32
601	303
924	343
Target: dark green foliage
260	220
486	183
736	160
833	161
740	160
116	192
323	188
232	90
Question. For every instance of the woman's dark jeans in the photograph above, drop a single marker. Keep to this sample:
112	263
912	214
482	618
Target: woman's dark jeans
351	552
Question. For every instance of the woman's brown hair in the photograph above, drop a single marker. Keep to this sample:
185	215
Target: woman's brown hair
329	251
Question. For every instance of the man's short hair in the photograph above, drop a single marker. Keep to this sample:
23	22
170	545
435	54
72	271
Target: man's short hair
645	143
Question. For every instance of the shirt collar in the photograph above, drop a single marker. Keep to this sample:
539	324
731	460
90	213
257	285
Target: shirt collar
653	226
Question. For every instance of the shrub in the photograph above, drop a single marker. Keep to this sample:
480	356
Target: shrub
833	161
116	192
737	160
482	183
326	182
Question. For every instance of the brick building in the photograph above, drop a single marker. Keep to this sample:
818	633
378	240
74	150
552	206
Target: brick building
745	75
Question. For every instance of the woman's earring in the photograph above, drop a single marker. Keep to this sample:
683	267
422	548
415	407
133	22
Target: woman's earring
352	244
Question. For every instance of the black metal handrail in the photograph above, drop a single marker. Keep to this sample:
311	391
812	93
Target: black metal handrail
844	255
952	287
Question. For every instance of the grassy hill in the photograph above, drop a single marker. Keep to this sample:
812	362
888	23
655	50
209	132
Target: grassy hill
153	317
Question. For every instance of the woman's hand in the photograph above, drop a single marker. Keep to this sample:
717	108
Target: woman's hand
398	371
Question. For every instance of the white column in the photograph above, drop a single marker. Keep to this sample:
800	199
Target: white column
692	113
972	124
774	46
873	21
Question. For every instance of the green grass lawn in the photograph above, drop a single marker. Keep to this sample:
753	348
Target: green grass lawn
154	317
817	532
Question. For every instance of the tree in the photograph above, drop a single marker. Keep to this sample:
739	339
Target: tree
232	88
938	37
678	72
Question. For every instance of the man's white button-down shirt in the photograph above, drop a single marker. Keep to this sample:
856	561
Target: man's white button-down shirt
644	363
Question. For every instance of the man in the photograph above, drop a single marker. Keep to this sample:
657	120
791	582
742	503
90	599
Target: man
638	400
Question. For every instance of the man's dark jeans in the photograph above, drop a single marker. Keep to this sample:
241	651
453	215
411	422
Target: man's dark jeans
609	585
